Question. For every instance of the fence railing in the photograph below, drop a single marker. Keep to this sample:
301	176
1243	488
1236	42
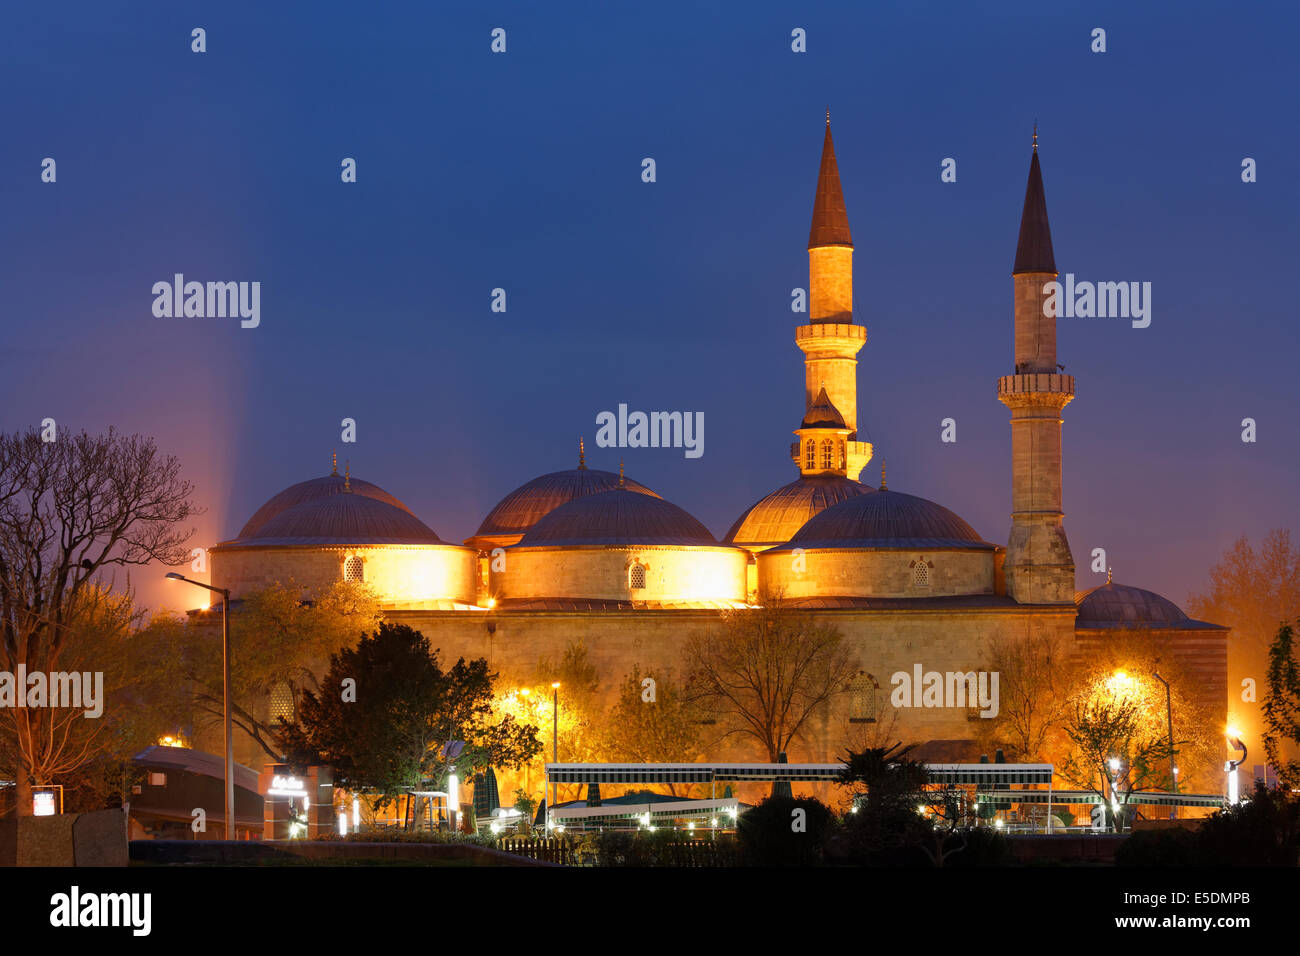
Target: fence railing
688	853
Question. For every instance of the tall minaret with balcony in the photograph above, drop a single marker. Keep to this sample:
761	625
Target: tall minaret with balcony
830	341
1039	567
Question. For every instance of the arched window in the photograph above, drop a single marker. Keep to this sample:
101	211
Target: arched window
354	569
810	454
636	577
862	699
844	464
828	453
281	703
921	574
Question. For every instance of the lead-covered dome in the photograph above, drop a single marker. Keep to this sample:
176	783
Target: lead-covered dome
522	508
1119	605
887	519
617	517
341	519
314	490
775	518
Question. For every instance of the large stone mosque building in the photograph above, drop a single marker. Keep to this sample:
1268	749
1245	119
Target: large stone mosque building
592	556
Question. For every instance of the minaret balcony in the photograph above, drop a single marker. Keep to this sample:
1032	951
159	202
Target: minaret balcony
1024	388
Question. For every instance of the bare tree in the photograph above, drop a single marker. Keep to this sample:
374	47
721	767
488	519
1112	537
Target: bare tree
765	672
70	511
1035	678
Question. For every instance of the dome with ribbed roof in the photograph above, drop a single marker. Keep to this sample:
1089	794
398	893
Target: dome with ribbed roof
775	518
1119	605
341	519
518	511
617	517
312	490
887	519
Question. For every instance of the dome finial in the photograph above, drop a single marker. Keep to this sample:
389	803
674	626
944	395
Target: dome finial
334	464
883	487
1109	572
347	476
620	474
582	453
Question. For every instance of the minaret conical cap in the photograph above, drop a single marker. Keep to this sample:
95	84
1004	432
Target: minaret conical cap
830	222
1034	250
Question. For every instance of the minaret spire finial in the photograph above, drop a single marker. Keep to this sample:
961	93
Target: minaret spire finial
334	464
1035	135
347	476
828	116
582	453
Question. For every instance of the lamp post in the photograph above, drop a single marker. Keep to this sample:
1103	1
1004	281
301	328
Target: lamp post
225	685
1169	714
555	741
1234	738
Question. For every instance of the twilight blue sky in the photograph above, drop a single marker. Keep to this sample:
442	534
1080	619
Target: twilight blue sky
522	171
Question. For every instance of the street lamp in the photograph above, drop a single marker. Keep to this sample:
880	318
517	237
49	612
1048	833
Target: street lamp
555	739
225	684
1234	739
1169	713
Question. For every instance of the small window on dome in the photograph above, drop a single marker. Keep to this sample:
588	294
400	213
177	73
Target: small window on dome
354	569
828	453
810	455
921	574
843	461
636	577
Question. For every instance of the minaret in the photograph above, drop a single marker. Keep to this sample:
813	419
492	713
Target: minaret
831	342
1039	567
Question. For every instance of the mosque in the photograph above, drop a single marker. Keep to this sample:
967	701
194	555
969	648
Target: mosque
590	555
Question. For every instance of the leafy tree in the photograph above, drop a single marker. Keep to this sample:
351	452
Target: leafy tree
406	709
765	672
1282	705
1035	677
883	827
72	511
664	729
581	727
1106	728
276	637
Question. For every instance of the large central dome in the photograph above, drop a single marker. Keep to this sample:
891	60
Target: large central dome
617	517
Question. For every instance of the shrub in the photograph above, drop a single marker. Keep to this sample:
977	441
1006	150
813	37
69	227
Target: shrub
767	836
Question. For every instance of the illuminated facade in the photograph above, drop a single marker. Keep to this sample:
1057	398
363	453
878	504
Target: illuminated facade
592	556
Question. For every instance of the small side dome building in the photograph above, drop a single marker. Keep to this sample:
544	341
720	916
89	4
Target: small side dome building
883	544
619	546
324	530
1113	611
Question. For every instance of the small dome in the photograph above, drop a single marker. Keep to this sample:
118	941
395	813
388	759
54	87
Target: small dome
521	509
775	518
617	517
313	490
1117	605
342	519
887	519
823	413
